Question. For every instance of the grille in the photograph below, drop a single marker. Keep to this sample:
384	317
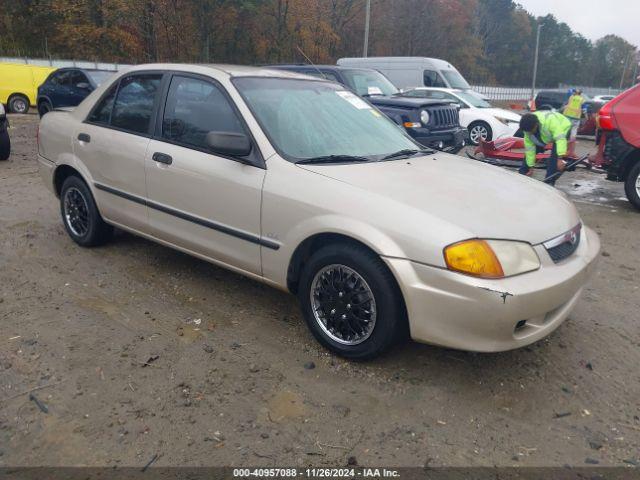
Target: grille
566	248
443	117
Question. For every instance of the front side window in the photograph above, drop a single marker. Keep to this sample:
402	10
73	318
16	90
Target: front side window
193	109
433	79
307	119
134	103
77	78
101	114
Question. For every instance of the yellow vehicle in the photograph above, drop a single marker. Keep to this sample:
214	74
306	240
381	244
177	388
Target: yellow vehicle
19	85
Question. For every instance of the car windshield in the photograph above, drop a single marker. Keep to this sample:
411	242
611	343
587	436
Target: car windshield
455	79
369	82
474	100
309	119
99	76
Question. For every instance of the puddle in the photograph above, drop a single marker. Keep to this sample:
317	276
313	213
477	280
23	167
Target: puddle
285	405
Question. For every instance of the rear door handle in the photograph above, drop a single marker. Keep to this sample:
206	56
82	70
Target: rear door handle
83	137
162	158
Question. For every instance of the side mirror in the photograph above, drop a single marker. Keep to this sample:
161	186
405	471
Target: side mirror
84	86
229	143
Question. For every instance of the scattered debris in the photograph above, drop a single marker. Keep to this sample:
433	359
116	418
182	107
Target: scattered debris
309	366
567	390
253	368
562	414
43	408
153	459
208	348
591	461
150	360
595	444
605	254
352	461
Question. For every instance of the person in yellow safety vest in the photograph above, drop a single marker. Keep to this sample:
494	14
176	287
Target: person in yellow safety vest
573	110
541	128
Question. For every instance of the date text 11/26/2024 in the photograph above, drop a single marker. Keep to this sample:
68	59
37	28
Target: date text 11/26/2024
315	472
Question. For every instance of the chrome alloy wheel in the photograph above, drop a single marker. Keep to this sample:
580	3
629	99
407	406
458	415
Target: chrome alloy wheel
477	133
343	304
76	212
638	185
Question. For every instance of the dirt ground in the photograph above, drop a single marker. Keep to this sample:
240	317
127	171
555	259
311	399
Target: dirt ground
144	351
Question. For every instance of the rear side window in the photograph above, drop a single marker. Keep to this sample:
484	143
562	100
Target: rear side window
433	79
134	102
194	108
102	113
61	78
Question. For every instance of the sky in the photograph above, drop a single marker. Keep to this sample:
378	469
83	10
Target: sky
592	18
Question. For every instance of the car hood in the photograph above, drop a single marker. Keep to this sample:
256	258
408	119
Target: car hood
479	200
501	112
399	101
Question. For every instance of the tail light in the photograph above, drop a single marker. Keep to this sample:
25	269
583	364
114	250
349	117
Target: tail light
605	119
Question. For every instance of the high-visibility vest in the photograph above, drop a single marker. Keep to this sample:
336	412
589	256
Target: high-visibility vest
574	107
554	127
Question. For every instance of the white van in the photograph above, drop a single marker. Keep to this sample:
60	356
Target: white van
411	72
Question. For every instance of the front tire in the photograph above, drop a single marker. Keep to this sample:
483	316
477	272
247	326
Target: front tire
18	104
5	145
80	216
632	185
480	131
351	301
44	107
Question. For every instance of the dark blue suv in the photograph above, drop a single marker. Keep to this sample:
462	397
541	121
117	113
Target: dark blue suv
433	123
67	87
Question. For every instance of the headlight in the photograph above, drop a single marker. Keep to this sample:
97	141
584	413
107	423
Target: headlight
1	109
491	258
424	117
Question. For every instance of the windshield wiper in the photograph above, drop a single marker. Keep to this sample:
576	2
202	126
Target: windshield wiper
333	159
407	152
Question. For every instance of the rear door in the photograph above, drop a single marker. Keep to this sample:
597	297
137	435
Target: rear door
204	202
112	144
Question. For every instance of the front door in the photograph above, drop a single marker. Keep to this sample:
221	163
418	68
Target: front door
206	203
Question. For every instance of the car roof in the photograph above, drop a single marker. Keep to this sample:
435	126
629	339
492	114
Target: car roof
233	71
63	69
338	68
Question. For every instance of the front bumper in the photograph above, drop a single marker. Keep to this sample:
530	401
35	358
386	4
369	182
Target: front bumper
450	139
468	313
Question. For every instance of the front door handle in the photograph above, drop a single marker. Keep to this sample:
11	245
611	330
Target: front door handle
84	137
162	158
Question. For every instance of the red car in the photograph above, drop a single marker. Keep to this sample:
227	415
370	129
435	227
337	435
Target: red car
619	142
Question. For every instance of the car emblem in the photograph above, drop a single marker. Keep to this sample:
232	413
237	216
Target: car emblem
572	238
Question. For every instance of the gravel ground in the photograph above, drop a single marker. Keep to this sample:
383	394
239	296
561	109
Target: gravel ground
142	351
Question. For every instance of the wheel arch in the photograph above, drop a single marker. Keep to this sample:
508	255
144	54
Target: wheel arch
61	173
630	160
311	244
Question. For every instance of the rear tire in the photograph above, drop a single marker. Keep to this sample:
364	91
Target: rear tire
18	104
5	145
632	185
44	107
351	301
80	215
